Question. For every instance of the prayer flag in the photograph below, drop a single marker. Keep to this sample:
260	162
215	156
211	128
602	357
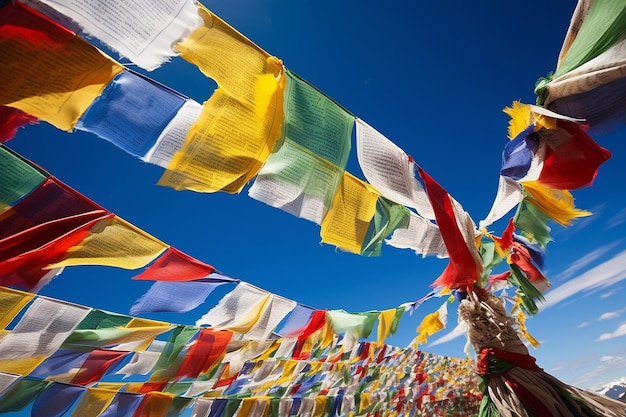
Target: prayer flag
358	325
388	217
22	393
229	143
174	265
532	222
114	242
347	222
462	270
17	178
205	352
96	365
179	297
557	204
39	333
390	170
589	79
94	402
421	235
36	50
142	31
297	181
11	119
572	158
317	123
123	404
135	131
11	303
55	400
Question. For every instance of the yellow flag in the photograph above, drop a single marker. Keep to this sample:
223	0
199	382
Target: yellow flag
11	303
93	402
247	321
20	366
386	323
557	204
348	219
240	122
225	55
51	74
114	242
521	319
520	118
157	404
230	141
432	323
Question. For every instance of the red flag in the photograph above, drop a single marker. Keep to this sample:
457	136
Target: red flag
205	352
12	119
462	271
572	158
96	365
175	265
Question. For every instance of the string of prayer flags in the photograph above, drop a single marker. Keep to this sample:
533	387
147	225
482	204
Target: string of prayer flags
143	32
589	79
46	70
135	132
52	321
11	119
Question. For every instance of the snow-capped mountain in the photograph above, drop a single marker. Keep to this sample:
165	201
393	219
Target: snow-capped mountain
615	389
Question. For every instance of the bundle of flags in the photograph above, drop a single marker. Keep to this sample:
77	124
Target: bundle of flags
264	122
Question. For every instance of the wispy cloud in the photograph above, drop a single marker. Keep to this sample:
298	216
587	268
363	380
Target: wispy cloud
601	276
616	220
611	293
609	367
592	256
620	331
583	324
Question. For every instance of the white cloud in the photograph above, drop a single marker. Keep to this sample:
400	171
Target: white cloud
617	219
601	276
610	315
620	331
582	262
583	324
611	293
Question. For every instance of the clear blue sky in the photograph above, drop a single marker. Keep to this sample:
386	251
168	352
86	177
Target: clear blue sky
431	76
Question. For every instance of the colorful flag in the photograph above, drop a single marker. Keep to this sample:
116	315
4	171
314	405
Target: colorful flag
143	32
135	131
35	51
348	220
